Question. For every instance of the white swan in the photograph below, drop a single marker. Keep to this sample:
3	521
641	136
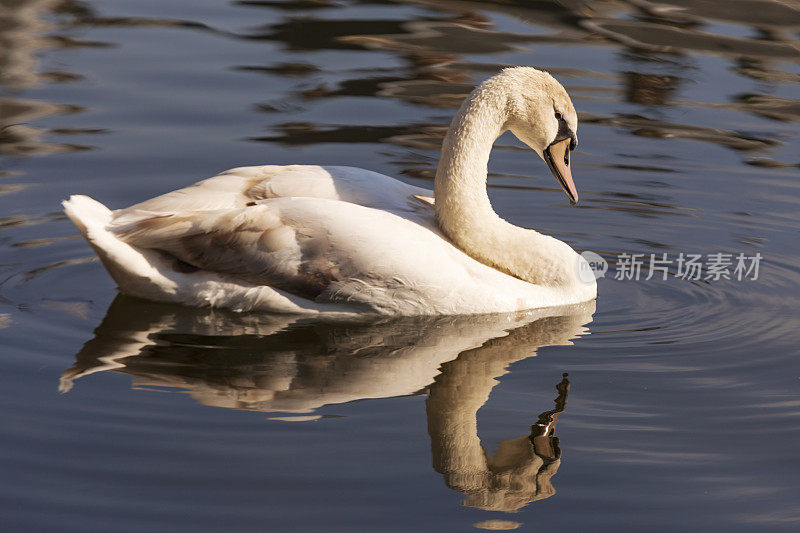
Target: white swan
310	239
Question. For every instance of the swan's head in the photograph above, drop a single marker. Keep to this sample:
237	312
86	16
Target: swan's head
540	114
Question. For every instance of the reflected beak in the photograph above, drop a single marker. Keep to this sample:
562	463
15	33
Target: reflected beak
557	157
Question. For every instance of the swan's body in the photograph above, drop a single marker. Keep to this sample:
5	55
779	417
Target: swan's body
309	239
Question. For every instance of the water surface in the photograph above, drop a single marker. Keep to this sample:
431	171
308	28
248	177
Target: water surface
681	407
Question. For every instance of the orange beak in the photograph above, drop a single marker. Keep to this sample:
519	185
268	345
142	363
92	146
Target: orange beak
557	157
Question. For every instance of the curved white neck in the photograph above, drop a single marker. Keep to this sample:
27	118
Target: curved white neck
463	209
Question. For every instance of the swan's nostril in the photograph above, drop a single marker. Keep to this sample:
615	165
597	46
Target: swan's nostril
566	158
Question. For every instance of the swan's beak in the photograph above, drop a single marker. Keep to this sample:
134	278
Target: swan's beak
557	157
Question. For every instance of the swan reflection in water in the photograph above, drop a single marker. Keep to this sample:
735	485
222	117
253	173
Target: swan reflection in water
291	364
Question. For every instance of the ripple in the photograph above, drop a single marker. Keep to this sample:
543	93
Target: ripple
646	127
749	12
662	38
675	380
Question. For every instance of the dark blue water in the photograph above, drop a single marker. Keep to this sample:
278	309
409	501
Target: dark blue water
682	410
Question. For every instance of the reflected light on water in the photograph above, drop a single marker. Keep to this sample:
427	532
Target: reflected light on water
683	411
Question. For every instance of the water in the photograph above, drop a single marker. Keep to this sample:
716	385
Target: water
682	410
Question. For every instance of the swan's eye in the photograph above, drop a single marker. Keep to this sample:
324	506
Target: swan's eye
559	116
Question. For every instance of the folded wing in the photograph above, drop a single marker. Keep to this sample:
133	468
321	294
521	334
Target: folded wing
251	243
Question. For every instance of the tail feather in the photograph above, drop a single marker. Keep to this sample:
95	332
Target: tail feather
135	270
86	213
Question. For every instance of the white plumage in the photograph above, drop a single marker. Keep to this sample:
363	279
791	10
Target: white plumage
311	239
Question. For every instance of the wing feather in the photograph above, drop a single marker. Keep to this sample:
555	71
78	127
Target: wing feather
232	224
239	187
250	243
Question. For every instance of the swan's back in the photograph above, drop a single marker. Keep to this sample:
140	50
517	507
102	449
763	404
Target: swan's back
238	187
